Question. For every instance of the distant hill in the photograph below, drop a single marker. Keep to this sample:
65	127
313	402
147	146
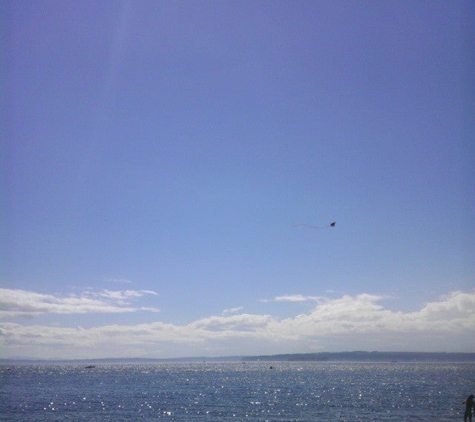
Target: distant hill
356	356
360	356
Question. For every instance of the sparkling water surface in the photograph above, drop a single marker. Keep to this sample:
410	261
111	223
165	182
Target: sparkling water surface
236	391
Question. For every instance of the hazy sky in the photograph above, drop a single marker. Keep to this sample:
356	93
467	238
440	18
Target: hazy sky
158	153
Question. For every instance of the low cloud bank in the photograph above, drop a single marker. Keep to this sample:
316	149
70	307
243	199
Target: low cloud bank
347	323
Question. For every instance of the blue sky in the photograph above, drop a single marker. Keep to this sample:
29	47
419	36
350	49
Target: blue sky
158	153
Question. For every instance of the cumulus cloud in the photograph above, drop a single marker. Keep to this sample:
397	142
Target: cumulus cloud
232	310
15	302
346	323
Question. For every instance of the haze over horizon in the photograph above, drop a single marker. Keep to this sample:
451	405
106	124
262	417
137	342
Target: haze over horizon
166	164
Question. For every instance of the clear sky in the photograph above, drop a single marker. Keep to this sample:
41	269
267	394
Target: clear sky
158	154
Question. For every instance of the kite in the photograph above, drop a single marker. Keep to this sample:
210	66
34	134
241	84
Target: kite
308	226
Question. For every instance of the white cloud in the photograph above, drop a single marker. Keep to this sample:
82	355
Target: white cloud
149	292
118	280
347	323
15	302
232	310
122	297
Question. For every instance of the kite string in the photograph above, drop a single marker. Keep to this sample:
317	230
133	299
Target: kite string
309	226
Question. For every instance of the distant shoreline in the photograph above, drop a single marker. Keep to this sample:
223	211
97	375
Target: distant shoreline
354	356
361	356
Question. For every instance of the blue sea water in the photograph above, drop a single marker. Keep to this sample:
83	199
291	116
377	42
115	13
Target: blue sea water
236	391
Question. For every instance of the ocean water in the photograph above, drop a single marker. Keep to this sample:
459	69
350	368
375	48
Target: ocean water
236	391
